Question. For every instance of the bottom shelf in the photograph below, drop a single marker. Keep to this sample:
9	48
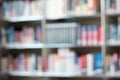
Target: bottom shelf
48	74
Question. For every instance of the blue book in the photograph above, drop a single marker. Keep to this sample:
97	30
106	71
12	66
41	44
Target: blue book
38	35
10	34
98	62
113	32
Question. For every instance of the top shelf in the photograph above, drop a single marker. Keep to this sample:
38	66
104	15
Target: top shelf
112	14
23	19
39	18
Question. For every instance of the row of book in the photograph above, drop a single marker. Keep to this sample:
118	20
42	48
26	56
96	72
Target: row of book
113	63
66	61
18	8
22	62
113	6
54	8
74	33
25	34
61	32
61	8
70	33
90	35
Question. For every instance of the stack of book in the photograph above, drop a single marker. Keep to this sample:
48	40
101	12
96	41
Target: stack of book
24	35
61	8
66	61
19	8
113	63
25	62
113	6
89	35
61	32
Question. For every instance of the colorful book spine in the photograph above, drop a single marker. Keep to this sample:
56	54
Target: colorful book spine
83	35
113	32
98	63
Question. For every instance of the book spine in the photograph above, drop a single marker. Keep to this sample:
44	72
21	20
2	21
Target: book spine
90	64
89	35
113	32
83	35
98	63
84	64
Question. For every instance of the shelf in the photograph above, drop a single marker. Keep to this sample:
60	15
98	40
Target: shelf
60	45
40	45
39	18
116	75
77	16
26	73
88	15
23	19
24	46
112	14
47	74
113	43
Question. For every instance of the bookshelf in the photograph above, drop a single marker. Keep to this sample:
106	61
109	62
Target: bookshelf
100	17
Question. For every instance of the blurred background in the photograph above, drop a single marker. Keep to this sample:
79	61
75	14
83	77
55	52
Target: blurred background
59	39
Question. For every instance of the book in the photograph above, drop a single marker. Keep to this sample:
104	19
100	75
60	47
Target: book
84	64
25	62
4	65
98	63
10	32
113	32
28	34
107	61
90	65
112	6
27	8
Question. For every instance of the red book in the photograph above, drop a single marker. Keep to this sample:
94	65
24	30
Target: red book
46	65
100	35
83	62
15	63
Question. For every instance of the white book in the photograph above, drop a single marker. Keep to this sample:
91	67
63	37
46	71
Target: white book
61	53
91	5
112	66
40	8
90	64
32	62
118	6
51	8
32	8
51	63
26	9
56	63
